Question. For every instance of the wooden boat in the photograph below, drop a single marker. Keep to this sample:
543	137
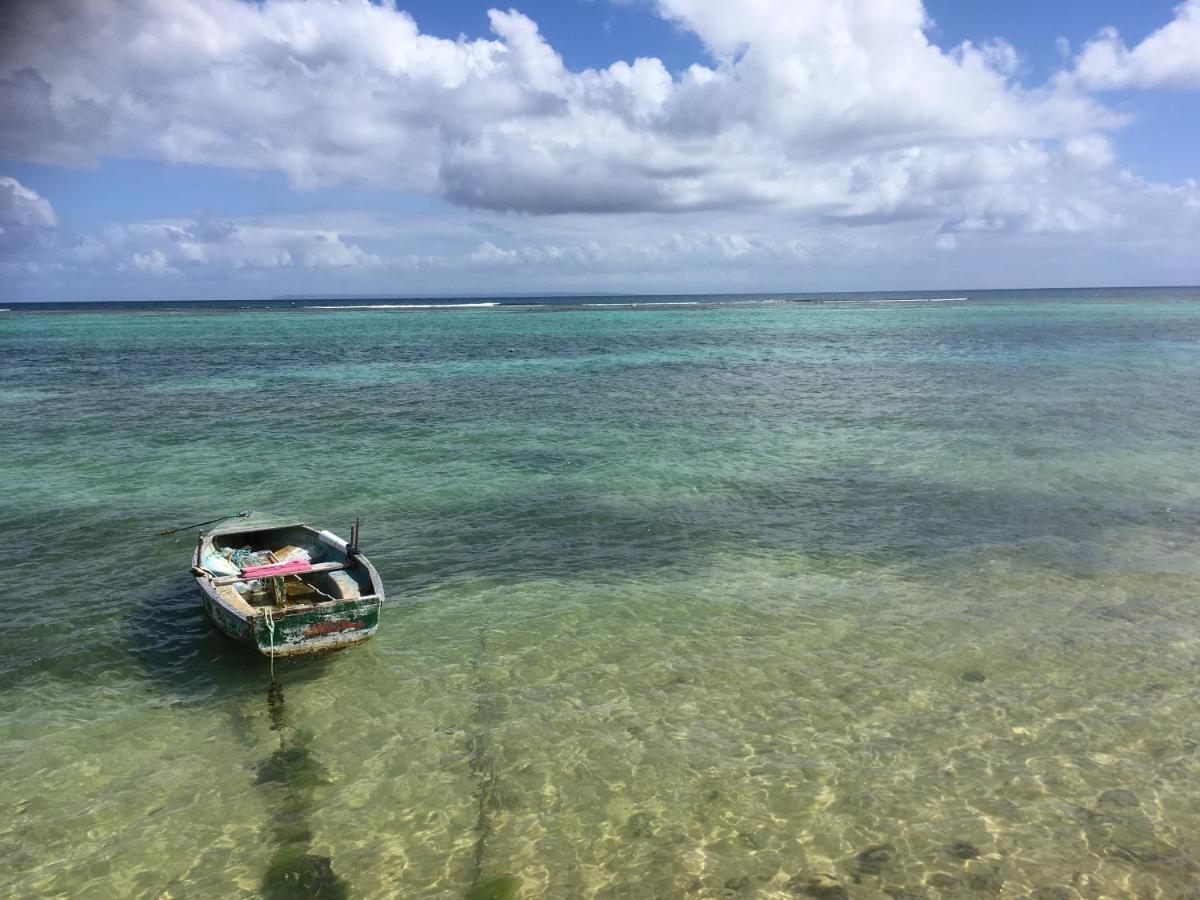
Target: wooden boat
286	588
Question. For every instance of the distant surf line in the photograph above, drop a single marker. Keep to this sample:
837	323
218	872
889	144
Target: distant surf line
632	304
509	305
917	299
648	303
407	306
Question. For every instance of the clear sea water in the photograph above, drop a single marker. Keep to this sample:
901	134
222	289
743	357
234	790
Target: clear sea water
727	598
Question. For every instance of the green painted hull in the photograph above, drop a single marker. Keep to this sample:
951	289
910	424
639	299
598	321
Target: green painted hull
305	630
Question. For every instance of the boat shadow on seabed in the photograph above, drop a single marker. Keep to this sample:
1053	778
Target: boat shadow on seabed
187	659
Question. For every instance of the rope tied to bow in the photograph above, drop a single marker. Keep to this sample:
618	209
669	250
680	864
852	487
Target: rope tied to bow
269	616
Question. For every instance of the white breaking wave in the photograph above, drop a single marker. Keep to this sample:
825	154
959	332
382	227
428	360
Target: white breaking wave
918	299
648	303
407	306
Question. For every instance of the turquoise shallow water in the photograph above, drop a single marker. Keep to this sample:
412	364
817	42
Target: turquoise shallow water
872	599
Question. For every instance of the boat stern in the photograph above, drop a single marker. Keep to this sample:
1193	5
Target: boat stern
317	629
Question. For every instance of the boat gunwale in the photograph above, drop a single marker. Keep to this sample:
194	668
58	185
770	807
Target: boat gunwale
257	613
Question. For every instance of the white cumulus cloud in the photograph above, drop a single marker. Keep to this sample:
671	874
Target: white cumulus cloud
179	246
804	106
1168	58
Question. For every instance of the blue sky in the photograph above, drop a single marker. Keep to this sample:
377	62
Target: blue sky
215	148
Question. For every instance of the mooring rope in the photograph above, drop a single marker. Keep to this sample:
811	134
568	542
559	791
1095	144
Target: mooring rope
295	869
270	618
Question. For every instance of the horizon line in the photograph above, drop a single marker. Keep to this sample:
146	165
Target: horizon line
549	295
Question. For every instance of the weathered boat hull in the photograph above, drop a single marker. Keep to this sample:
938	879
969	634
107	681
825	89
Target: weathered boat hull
300	632
293	630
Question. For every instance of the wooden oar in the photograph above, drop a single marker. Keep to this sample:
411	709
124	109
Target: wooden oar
240	515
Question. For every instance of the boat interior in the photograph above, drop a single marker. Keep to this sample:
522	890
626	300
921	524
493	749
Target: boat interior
226	554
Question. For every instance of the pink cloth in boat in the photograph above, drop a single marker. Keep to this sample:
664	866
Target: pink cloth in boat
283	568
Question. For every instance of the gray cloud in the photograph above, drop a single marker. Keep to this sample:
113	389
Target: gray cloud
27	220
